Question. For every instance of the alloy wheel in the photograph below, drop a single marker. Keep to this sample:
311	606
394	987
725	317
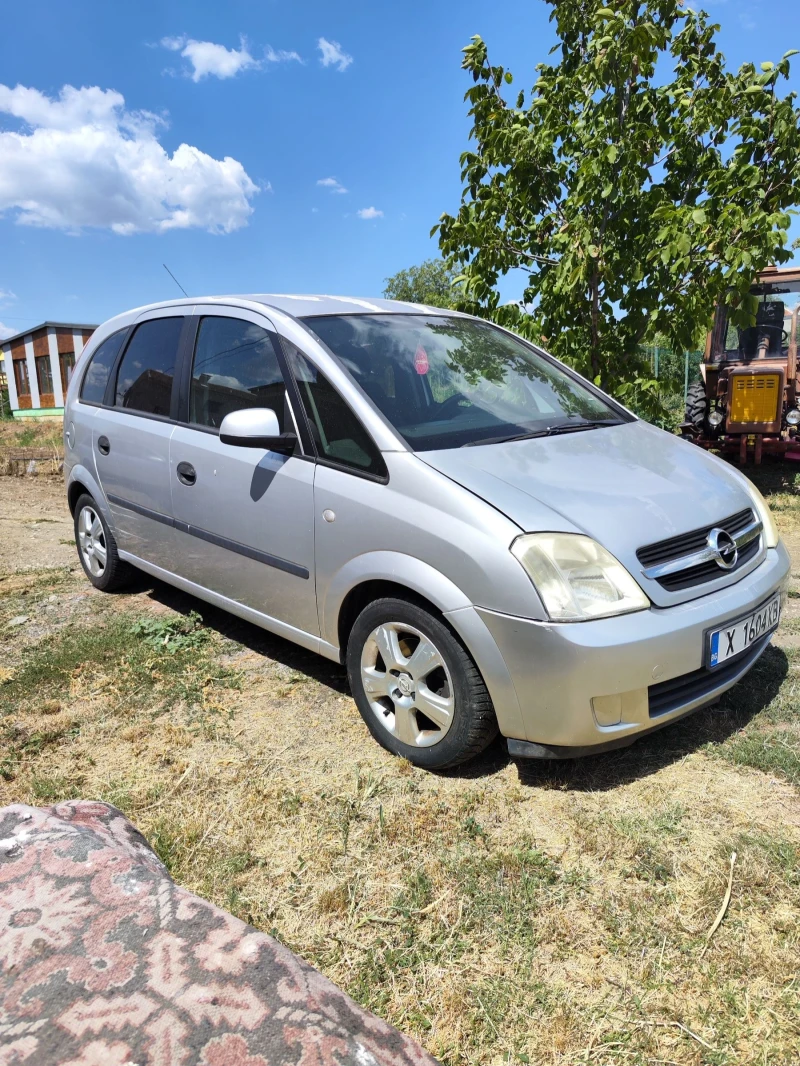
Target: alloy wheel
92	542
408	684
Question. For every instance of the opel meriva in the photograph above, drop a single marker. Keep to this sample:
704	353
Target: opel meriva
482	536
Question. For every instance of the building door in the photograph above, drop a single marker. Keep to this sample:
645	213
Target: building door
23	384
243	516
66	362
44	377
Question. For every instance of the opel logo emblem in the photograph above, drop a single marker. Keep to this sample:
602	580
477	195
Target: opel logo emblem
723	548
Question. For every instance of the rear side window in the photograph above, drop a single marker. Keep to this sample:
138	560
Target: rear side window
93	386
147	370
338	434
235	367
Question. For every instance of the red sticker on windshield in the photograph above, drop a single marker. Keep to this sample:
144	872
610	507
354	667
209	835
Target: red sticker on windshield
421	364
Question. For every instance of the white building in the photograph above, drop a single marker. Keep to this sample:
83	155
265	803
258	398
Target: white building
38	364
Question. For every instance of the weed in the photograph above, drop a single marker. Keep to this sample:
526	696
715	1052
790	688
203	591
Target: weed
172	634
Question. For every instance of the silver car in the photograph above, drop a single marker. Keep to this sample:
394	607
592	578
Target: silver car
483	537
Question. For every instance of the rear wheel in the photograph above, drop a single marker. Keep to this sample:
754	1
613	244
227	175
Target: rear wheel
696	405
417	687
97	549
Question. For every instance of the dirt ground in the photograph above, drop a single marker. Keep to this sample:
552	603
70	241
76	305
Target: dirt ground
502	913
35	524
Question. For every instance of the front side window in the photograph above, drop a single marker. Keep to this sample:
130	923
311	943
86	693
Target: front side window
445	382
235	367
338	434
44	375
93	386
147	370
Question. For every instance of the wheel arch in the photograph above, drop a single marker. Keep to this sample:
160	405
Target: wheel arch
365	579
81	481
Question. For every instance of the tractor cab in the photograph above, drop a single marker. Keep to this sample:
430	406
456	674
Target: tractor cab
747	396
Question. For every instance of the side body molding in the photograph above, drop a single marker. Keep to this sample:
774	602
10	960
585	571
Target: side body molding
420	577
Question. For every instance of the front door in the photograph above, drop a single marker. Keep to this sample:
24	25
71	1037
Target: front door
130	441
243	516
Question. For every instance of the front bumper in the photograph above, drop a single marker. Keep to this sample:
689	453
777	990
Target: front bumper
584	686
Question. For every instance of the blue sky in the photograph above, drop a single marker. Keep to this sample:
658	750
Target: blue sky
370	96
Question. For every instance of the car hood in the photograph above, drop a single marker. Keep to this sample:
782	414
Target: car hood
626	486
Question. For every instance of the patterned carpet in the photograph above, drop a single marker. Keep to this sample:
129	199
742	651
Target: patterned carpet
105	961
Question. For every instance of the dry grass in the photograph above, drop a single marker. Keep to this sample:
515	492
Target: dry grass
31	433
507	913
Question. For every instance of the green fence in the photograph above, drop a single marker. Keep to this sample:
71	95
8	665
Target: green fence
675	370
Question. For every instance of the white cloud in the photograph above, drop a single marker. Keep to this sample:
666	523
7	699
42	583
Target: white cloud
332	184
6	296
209	58
85	160
369	212
332	54
6	331
281	56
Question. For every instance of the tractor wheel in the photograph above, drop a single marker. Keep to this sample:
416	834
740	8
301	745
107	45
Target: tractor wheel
696	405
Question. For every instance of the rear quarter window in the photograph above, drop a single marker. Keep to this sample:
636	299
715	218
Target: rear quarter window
101	362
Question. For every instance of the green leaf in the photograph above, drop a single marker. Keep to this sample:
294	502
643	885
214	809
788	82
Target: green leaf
699	216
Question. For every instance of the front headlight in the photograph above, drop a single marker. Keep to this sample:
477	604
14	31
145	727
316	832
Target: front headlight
576	578
771	536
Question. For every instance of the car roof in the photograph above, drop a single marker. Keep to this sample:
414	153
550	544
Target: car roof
305	305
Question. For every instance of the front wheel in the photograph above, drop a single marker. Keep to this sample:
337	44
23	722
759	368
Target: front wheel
416	686
696	405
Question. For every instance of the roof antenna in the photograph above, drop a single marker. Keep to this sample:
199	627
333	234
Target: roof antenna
185	293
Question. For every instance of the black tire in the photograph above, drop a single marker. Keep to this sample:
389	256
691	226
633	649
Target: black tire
115	573
472	724
696	405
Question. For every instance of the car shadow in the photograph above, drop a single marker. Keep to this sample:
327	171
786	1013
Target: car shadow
593	773
245	633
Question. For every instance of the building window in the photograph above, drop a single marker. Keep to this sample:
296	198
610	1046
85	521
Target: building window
66	361
44	375
21	377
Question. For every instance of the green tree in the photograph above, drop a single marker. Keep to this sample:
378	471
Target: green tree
429	283
636	184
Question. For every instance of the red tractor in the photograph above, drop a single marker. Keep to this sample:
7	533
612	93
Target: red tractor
746	402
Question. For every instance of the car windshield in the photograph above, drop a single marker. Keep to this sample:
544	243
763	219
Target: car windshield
447	382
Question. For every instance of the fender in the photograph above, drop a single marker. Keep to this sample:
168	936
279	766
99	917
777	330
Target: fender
82	474
420	577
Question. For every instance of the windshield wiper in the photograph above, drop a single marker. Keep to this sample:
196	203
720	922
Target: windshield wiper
548	431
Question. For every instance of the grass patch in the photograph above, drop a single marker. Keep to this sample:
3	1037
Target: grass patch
143	668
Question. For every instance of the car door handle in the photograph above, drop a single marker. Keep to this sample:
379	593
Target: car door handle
103	445
187	475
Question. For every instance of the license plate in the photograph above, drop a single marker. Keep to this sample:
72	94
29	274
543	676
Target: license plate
735	637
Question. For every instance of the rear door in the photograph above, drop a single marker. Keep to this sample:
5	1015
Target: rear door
130	438
243	516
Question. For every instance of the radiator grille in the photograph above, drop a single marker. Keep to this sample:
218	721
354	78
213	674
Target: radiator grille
755	397
665	551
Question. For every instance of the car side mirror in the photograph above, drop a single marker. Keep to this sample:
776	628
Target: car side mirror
256	427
